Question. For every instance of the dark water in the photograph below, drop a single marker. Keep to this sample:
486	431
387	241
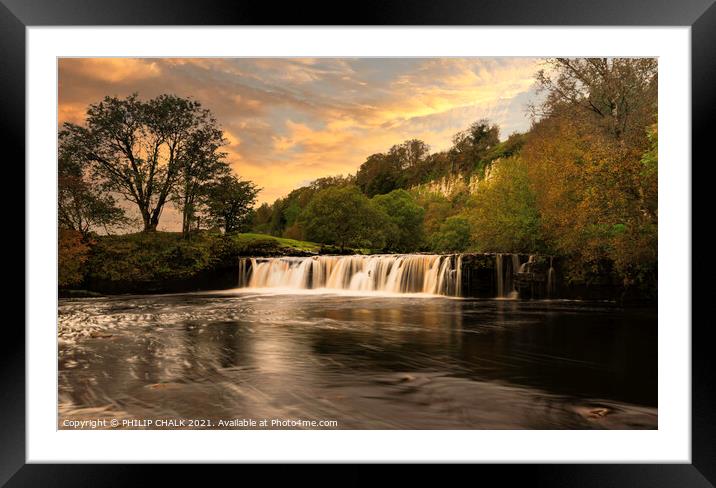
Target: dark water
363	362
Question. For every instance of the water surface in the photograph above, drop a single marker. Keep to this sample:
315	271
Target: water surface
363	361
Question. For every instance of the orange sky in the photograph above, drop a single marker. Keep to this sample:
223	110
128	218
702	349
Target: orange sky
289	120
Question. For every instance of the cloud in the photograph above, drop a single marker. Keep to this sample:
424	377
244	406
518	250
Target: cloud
291	120
113	70
71	112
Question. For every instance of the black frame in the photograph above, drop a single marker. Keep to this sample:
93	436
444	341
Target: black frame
16	15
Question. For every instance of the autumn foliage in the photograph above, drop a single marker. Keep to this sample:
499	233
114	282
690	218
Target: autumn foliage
581	184
73	253
592	162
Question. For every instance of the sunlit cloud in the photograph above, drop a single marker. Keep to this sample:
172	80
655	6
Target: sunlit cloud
72	112
289	121
113	70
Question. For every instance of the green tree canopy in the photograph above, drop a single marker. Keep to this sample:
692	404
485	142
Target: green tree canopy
261	219
453	236
398	168
381	173
345	217
472	145
404	232
82	206
282	217
503	213
229	202
201	165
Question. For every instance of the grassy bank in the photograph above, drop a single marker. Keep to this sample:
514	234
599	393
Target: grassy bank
251	244
166	261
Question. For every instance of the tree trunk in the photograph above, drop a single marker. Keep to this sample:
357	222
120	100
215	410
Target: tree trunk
153	223
147	221
228	227
157	212
185	220
187	212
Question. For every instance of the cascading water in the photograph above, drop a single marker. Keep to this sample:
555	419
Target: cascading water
551	282
525	267
500	276
401	273
506	270
244	271
428	274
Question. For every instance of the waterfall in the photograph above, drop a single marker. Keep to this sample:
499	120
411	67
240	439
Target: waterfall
399	273
551	284
458	276
244	270
506	271
500	276
525	267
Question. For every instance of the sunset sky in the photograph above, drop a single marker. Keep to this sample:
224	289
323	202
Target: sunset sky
289	121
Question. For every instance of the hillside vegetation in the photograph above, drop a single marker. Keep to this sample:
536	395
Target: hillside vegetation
165	261
580	184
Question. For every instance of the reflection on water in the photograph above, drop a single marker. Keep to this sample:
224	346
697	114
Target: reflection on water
367	362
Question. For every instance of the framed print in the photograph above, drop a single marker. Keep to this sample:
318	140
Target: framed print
427	237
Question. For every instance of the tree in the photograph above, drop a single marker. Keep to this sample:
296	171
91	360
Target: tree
510	147
619	93
261	219
229	201
201	165
591	164
136	147
81	206
470	146
502	213
282	217
379	174
345	217
72	254
328	181
277	224
635	243
384	172
437	208
433	167
453	236
410	153
404	231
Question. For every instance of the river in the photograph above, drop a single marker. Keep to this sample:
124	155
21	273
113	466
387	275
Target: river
357	360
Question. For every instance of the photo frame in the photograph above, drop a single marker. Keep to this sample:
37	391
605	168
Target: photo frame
16	16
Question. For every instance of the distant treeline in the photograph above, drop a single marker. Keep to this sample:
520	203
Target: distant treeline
386	204
581	183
